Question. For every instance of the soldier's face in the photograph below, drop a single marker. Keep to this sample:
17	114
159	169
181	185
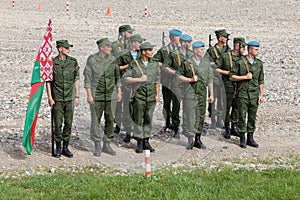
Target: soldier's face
186	44
176	39
254	51
148	53
128	34
136	45
199	51
64	51
222	39
106	49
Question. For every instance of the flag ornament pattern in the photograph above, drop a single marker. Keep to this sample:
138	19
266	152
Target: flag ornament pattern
42	72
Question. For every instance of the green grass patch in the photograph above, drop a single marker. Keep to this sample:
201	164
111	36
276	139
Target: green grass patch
183	183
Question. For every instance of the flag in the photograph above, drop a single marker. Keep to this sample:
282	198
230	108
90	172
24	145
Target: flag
42	72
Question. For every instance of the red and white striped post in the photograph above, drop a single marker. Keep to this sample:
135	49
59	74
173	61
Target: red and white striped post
148	164
145	11
13	4
68	7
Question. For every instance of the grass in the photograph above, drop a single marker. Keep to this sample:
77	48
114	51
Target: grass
222	183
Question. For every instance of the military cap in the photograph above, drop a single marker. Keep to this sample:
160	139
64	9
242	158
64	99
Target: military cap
63	43
186	38
103	41
221	32
198	44
175	32
239	40
126	28
253	44
146	45
136	37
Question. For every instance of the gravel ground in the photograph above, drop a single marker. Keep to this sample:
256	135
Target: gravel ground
274	23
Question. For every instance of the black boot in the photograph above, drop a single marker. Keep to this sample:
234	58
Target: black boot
65	150
227	131
250	140
139	146
234	130
168	127
213	123
242	140
190	143
146	145
198	143
219	123
127	137
97	151
176	133
117	129
57	152
107	148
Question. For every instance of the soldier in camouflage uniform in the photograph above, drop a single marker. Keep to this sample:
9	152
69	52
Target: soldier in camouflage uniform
226	61
119	47
126	58
214	53
163	56
102	75
249	74
61	97
178	59
144	74
199	75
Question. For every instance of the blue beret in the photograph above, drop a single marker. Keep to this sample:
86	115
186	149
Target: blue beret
198	44
186	38
253	43
175	32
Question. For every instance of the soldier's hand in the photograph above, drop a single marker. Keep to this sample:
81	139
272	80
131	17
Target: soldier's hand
51	102
76	101
249	75
157	98
90	100
211	99
260	99
119	97
195	78
143	78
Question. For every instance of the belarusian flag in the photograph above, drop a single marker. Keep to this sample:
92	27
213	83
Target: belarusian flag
42	72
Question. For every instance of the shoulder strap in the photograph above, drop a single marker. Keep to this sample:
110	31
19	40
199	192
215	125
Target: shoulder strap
138	65
168	50
193	70
216	53
243	83
178	57
230	59
246	64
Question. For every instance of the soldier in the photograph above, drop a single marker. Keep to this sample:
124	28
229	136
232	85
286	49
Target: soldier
101	76
178	59
126	58
249	74
163	56
225	63
144	74
213	53
199	75
118	47
61	97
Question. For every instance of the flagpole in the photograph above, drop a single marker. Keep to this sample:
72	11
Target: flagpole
52	134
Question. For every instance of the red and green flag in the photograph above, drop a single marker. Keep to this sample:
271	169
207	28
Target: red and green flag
42	72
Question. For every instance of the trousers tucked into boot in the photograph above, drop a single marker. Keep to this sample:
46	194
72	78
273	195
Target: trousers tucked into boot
65	150
250	140
227	131
242	140
107	148
198	143
57	152
146	145
139	146
97	151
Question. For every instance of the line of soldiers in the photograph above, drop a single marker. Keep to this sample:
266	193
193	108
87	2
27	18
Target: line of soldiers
123	78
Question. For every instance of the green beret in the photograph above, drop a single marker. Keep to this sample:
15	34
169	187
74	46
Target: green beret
239	40
136	37
221	32
63	43
146	45
103	41
126	28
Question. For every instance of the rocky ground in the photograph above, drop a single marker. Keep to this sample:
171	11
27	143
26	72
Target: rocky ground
273	23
